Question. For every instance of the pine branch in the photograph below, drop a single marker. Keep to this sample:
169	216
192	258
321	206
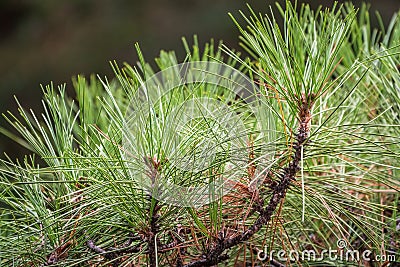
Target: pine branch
113	253
154	168
152	235
215	255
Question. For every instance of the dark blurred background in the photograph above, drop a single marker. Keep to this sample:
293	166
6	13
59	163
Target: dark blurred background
47	40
